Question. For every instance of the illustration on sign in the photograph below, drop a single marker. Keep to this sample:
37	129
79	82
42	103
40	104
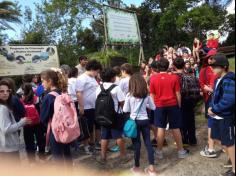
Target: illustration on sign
20	60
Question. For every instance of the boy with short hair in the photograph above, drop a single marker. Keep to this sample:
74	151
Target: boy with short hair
127	72
165	91
222	108
108	78
188	105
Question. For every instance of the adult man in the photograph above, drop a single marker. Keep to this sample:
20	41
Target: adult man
83	60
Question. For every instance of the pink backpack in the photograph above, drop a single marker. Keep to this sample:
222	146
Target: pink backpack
64	125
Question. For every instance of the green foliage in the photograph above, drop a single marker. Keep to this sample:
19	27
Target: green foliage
9	13
200	19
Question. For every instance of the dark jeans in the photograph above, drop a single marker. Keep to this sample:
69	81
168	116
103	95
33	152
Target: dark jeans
32	134
189	126
144	128
60	152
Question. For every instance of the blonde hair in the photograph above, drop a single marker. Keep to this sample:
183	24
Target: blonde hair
58	78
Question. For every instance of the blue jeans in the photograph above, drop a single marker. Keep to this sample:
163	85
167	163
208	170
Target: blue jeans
143	126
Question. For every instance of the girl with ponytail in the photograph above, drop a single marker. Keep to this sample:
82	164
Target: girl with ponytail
54	80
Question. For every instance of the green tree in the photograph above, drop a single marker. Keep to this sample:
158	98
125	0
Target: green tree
9	13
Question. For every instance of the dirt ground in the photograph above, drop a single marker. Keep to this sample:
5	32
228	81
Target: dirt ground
194	165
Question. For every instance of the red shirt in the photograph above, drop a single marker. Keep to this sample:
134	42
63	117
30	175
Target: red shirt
213	43
164	86
207	77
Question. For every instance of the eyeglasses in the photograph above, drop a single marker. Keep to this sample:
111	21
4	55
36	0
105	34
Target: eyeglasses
5	91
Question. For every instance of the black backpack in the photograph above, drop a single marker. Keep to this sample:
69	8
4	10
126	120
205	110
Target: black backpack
190	87
105	108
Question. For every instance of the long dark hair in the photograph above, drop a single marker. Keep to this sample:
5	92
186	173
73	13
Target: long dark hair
28	93
138	86
7	103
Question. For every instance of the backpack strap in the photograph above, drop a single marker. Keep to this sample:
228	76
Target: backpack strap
108	90
139	109
54	93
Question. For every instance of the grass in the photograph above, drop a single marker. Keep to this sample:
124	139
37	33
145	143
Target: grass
232	64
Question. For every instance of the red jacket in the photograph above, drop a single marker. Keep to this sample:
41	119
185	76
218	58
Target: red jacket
213	43
207	77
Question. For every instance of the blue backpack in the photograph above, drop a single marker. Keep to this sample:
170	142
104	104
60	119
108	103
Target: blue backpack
130	128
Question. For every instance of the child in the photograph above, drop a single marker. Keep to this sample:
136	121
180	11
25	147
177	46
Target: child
136	102
207	79
86	87
165	91
187	108
118	74
197	45
9	138
35	130
54	81
222	108
127	71
108	78
71	85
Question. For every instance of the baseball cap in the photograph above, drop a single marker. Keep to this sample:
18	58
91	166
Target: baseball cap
211	53
220	60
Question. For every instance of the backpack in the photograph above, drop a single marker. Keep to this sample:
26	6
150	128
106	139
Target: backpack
65	126
31	113
190	88
105	113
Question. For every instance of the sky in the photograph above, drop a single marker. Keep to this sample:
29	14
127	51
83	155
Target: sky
16	34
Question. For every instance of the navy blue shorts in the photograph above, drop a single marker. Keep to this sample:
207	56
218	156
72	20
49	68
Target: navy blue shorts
223	130
89	114
171	115
109	133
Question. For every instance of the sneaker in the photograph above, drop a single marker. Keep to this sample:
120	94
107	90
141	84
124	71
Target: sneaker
228	173
159	154
88	150
97	146
228	164
208	154
183	154
101	160
115	149
149	172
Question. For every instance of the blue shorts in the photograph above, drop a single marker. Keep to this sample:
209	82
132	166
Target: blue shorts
109	133
223	130
171	115
210	122
89	114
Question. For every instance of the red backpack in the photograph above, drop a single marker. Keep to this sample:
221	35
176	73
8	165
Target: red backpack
31	113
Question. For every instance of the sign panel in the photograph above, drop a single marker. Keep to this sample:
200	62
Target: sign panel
21	60
122	26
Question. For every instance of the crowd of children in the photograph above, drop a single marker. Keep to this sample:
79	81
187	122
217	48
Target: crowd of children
162	96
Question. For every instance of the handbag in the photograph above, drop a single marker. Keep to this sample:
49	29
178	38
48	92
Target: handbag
130	128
